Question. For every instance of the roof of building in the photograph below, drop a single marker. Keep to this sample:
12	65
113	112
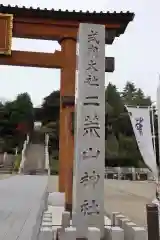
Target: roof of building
100	17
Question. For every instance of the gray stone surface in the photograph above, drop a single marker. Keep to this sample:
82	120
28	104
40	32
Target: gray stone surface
22	200
90	129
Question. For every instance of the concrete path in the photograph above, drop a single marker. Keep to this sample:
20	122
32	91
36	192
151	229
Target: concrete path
127	197
53	184
3	176
21	203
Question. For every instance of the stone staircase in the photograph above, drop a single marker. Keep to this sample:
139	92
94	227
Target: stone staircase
35	155
35	159
7	166
6	169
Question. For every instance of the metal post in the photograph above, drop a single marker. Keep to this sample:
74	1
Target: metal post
152	221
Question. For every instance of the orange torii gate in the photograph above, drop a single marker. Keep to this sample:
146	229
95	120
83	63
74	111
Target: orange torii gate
62	26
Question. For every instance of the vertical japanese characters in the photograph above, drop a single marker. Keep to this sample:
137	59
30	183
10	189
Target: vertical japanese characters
90	130
139	125
91	122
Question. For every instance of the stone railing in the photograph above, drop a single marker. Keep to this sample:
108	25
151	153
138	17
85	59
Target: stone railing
47	167
7	159
23	159
61	225
128	172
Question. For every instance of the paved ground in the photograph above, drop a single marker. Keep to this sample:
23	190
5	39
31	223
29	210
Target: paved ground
53	184
130	198
3	176
127	197
21	199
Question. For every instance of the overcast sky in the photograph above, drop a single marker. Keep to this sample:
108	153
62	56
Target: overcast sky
137	52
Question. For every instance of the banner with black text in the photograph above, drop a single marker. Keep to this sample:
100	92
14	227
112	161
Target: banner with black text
141	123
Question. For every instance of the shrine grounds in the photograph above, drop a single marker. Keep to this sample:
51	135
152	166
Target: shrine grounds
127	197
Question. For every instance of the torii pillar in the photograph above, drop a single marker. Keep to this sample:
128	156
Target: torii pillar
66	142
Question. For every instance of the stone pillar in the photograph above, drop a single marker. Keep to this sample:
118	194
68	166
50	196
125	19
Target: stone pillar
5	157
66	141
90	129
69	234
119	173
116	233
113	218
139	233
118	217
94	233
133	174
27	139
122	222
127	226
65	219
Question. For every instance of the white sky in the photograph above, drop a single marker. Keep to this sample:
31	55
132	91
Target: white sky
137	52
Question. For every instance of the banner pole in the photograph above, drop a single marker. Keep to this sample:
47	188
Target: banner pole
154	147
153	129
158	167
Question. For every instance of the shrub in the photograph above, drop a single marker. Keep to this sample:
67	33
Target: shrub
54	164
17	163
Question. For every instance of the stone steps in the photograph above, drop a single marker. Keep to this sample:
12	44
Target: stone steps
6	169
35	159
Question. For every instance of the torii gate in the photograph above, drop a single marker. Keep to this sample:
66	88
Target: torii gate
61	26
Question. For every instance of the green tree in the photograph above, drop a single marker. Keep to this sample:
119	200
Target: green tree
22	111
128	93
51	107
114	108
134	96
50	119
16	119
113	98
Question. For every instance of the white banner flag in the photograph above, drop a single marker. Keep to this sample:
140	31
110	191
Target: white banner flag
158	110
140	120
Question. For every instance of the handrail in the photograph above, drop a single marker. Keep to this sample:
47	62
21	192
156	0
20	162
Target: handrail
47	166
23	159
